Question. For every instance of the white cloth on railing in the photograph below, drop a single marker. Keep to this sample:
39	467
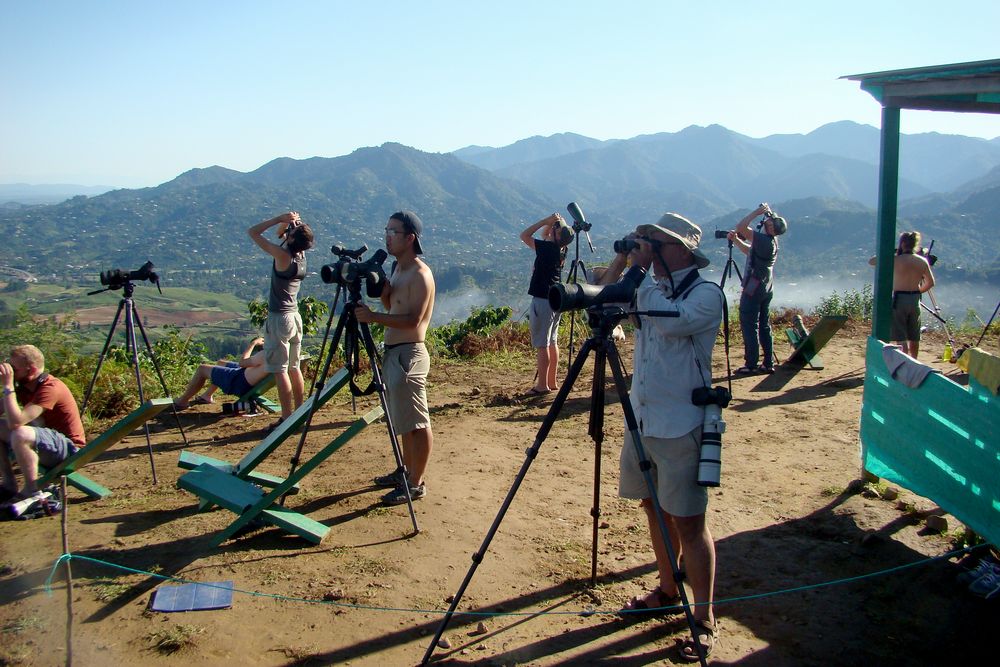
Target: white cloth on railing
904	368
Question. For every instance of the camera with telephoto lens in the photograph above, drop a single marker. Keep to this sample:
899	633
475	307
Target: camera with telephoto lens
116	278
349	271
713	399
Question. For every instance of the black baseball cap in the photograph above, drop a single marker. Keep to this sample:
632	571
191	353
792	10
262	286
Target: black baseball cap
411	225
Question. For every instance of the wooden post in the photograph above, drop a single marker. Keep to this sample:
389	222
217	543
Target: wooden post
69	573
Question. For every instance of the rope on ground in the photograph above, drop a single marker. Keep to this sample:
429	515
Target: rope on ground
584	612
69	571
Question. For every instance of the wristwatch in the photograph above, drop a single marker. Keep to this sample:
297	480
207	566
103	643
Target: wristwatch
7	391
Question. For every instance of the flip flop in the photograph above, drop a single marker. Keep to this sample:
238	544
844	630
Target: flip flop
708	633
638	606
201	400
746	370
537	392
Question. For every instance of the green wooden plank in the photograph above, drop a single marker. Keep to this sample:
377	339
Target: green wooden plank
266	384
268	405
809	347
795	340
295	523
296	419
191	460
222	489
87	485
110	437
269	500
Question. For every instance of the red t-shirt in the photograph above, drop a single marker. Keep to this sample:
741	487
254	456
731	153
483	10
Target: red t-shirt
59	411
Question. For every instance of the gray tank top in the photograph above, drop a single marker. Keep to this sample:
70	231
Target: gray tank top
285	286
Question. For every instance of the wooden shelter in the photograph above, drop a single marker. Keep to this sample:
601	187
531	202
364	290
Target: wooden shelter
938	439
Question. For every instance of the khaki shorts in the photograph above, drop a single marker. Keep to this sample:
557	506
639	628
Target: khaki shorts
674	471
282	341
543	322
405	369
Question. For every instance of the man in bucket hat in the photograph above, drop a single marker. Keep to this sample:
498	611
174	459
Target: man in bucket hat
673	357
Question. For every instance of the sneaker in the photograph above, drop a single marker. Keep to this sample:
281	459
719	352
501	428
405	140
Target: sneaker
983	567
986	586
398	495
390	481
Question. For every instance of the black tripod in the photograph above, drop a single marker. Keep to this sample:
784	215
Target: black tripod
602	321
355	335
132	319
580	224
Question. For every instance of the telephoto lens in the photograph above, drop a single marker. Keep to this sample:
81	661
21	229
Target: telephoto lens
710	455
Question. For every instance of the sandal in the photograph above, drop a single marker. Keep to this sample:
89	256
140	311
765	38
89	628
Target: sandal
201	400
708	635
537	392
661	603
746	370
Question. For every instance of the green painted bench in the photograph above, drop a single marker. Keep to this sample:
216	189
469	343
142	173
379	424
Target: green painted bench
250	502
246	468
256	392
806	348
98	446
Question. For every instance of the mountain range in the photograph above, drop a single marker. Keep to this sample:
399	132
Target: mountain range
475	201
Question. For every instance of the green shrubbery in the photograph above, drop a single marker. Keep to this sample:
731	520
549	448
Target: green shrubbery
856	304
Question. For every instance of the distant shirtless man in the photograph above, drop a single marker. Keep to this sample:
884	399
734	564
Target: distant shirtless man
911	277
408	298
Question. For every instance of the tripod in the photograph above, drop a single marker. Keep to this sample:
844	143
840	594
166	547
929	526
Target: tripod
580	224
355	336
602	321
132	318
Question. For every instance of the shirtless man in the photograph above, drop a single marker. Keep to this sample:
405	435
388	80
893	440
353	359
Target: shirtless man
911	277
408	298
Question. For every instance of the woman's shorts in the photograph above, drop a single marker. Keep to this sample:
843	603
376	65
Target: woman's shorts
543	323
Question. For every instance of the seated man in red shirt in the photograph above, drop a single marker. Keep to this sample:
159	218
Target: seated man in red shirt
45	431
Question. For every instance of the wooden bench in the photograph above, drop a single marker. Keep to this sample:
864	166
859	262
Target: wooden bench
98	446
806	348
250	502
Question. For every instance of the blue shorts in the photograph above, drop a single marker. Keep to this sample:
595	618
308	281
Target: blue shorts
52	447
232	381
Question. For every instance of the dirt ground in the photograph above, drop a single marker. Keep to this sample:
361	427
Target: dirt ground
807	563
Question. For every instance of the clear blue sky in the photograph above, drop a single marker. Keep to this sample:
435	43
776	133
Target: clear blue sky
132	93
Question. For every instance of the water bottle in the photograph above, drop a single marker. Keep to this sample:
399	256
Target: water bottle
947	352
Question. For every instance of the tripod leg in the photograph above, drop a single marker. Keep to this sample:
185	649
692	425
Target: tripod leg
369	343
596	431
131	342
319	383
543	431
326	335
159	373
632	425
100	359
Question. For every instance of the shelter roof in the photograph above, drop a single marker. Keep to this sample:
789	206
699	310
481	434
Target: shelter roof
973	86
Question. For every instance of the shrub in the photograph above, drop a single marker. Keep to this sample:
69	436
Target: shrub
856	304
446	339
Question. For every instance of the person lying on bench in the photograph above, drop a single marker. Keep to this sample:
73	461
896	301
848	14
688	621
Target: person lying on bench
205	397
46	400
232	377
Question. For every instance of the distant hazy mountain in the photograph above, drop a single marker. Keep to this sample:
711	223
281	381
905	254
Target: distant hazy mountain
528	150
929	162
29	195
719	166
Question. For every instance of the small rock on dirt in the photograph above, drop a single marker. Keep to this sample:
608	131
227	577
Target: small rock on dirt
444	643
